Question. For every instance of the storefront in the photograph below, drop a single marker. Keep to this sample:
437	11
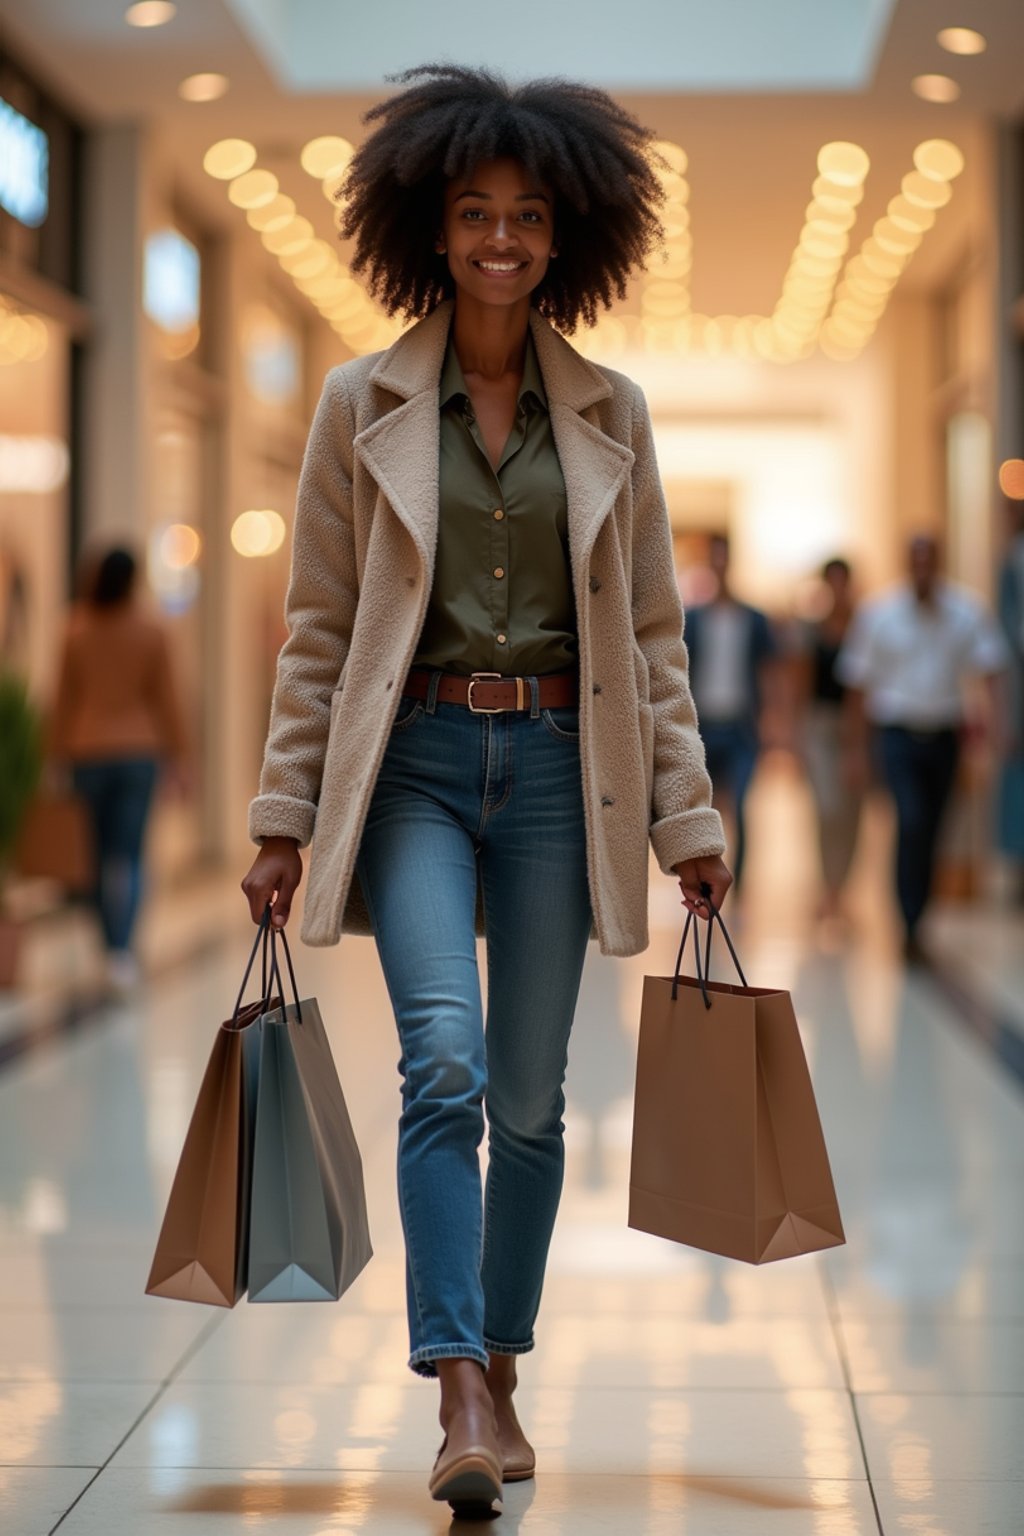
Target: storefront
43	323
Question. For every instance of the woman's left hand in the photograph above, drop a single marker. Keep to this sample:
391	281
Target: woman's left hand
693	873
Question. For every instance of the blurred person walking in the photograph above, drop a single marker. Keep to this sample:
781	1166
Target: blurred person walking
824	735
906	661
1011	778
116	719
482	712
732	652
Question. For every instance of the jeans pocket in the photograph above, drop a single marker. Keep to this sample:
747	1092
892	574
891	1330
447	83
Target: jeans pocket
409	711
563	722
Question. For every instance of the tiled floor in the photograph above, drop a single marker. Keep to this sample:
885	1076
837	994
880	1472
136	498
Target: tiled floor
879	1387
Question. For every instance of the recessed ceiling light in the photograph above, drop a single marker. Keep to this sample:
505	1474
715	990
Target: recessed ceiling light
962	40
326	157
209	87
254	189
150	13
843	163
935	88
939	159
228	158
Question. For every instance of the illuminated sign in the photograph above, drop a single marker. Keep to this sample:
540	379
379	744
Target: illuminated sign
171	282
24	167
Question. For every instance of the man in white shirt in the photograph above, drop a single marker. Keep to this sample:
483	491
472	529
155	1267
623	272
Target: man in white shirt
905	661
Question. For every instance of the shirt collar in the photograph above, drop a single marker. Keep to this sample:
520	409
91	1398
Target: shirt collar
453	382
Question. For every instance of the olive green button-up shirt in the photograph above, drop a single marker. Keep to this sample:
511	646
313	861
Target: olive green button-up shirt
502	598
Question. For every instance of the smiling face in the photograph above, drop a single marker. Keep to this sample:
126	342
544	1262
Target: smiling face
498	231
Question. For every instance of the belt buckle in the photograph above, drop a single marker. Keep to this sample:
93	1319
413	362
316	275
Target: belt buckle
476	677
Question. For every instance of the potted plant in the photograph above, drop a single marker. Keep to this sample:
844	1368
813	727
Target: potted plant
21	762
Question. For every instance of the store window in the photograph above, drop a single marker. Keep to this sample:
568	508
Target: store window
34	464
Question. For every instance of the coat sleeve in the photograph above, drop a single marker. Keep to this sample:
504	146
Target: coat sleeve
319	611
683	823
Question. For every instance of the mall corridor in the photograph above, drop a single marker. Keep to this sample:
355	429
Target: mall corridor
465	453
875	1388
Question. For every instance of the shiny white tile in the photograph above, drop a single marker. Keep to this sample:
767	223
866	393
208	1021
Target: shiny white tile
181	1502
800	1433
37	1273
991	1288
32	1499
928	1354
47	1423
971	1437
81	1344
307	1345
915	1505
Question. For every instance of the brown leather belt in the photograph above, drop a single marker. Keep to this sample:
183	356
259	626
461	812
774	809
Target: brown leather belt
488	693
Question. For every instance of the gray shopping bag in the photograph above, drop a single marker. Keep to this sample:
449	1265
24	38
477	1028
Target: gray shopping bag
308	1235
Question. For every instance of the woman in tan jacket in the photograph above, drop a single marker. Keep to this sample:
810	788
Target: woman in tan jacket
482	712
116	718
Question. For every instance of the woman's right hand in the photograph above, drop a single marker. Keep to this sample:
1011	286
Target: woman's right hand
274	875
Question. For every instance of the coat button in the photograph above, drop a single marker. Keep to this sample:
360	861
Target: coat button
597	687
595	585
499	571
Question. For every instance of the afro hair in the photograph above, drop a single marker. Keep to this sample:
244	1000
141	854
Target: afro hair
593	154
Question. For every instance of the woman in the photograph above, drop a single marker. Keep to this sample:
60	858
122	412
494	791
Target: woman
830	759
483	701
116	717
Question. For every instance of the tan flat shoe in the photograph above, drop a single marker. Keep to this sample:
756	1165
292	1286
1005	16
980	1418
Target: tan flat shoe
469	1476
518	1469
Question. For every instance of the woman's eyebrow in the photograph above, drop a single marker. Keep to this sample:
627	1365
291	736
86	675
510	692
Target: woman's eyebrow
521	197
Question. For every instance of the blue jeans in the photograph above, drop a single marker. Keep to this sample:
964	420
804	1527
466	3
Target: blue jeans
118	793
498	799
919	769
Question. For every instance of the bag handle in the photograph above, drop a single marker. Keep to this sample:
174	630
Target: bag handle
275	968
262	935
704	972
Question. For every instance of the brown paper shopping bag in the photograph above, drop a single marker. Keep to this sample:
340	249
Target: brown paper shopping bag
56	842
728	1153
309	1237
202	1251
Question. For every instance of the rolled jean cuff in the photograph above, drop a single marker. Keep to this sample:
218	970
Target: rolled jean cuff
422	1360
509	1349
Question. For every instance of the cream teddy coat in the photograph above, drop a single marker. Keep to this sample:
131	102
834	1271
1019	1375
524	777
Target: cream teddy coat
362	567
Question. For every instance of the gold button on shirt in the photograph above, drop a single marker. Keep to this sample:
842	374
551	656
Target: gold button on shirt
502	598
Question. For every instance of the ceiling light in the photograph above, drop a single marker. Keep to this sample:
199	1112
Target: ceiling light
963	40
884	263
925	192
210	87
1011	479
674	154
891	237
910	215
325	157
150	13
823	217
935	88
258	533
273	215
228	158
833	195
939	159
295	235
255	189
845	164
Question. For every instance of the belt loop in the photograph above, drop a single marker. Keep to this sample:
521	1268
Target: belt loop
534	698
432	686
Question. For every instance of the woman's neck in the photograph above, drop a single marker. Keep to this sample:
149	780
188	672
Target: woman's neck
490	339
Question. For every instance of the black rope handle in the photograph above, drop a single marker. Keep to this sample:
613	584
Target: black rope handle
704	972
275	968
262	936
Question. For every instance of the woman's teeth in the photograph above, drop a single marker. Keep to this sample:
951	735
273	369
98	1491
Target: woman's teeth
499	266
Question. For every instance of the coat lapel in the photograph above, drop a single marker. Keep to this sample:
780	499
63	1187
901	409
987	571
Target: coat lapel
400	449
